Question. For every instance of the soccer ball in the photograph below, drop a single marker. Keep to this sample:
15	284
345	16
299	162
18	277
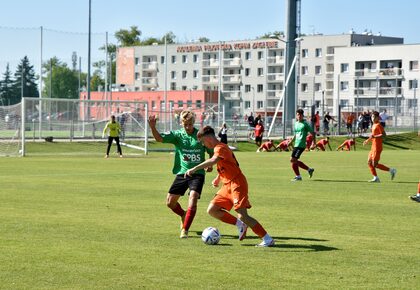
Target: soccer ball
210	236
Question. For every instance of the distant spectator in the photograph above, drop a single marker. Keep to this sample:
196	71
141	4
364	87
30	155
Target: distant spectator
349	124
223	133
383	117
326	123
259	131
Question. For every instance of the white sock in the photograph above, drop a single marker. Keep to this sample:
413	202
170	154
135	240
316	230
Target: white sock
418	194
239	223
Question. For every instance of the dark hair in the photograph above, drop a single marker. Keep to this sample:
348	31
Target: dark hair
205	131
375	113
300	111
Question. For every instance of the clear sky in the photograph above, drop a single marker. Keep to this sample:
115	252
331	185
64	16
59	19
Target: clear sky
66	22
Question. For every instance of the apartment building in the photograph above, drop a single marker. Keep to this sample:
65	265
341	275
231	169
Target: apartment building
249	75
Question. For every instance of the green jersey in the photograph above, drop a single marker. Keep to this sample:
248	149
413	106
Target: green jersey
301	131
189	152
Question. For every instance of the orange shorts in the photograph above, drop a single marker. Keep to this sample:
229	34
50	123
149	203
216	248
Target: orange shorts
233	194
375	155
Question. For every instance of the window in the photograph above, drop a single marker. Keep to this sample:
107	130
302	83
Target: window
173	59
162	59
162	105
195	74
194	88
184	74
137	76
303	104
318	52
344	67
305	53
198	104
318	70
183	88
260	71
247	104
153	104
247	71
173	86
248	55
184	59
171	104
412	84
414	65
173	75
247	88
137	61
344	86
344	103
260	88
412	103
317	87
189	104
180	104
260	104
304	87
195	58
305	70
260	55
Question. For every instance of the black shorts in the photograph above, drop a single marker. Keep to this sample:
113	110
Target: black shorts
181	184
297	152
258	139
349	126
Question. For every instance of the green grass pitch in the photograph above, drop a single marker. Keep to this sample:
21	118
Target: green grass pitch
94	223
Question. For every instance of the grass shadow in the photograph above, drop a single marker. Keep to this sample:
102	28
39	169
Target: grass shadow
300	248
338	180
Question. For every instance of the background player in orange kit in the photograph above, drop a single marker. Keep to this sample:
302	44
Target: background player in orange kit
285	145
267	146
320	145
234	192
346	145
378	133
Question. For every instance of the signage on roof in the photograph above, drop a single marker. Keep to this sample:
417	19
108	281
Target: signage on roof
227	46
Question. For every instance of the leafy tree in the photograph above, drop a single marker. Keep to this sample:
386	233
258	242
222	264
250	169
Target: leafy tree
128	37
24	82
6	87
275	34
61	81
203	39
170	38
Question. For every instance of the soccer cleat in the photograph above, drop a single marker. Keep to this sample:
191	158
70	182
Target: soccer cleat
415	198
106	156
375	179
184	234
121	156
393	172
266	244
297	178
311	172
242	231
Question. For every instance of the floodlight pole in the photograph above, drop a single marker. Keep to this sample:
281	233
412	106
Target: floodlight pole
89	50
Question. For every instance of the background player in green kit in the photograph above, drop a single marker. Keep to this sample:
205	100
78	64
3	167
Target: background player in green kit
302	128
189	152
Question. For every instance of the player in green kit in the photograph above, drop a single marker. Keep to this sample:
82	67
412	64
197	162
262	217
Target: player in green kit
189	152
302	128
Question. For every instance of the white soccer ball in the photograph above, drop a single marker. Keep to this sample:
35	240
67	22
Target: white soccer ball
210	236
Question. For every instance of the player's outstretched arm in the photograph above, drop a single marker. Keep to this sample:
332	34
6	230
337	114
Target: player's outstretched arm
152	125
208	163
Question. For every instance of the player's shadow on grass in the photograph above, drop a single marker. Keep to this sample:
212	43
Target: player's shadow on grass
299	248
340	180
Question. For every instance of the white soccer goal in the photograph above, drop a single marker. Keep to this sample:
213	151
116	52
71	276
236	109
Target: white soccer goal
71	127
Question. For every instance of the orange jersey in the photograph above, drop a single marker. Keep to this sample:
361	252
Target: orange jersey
377	129
228	166
322	142
349	142
283	144
350	119
267	145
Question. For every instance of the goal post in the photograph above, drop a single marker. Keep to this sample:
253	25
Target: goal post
74	127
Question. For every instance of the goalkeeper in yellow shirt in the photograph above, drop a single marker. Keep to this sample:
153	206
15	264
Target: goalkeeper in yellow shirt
114	134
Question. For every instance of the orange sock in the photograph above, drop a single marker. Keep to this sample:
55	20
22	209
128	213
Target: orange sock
418	188
382	167
228	218
259	230
372	170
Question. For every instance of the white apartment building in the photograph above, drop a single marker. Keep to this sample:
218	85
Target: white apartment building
249	75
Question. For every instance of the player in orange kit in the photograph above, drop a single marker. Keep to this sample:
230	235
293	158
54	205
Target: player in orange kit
234	192
285	145
266	146
346	145
417	196
378	133
320	145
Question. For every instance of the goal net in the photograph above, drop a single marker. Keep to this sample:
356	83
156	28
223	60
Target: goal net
10	130
75	127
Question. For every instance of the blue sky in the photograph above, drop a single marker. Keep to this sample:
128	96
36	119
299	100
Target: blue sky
66	22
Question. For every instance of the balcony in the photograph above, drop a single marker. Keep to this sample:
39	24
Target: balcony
275	77
232	95
383	91
232	62
383	73
329	58
274	94
149	81
149	66
275	60
212	79
232	79
212	62
390	72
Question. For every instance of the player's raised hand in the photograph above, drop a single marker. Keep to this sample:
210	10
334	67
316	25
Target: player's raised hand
152	120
